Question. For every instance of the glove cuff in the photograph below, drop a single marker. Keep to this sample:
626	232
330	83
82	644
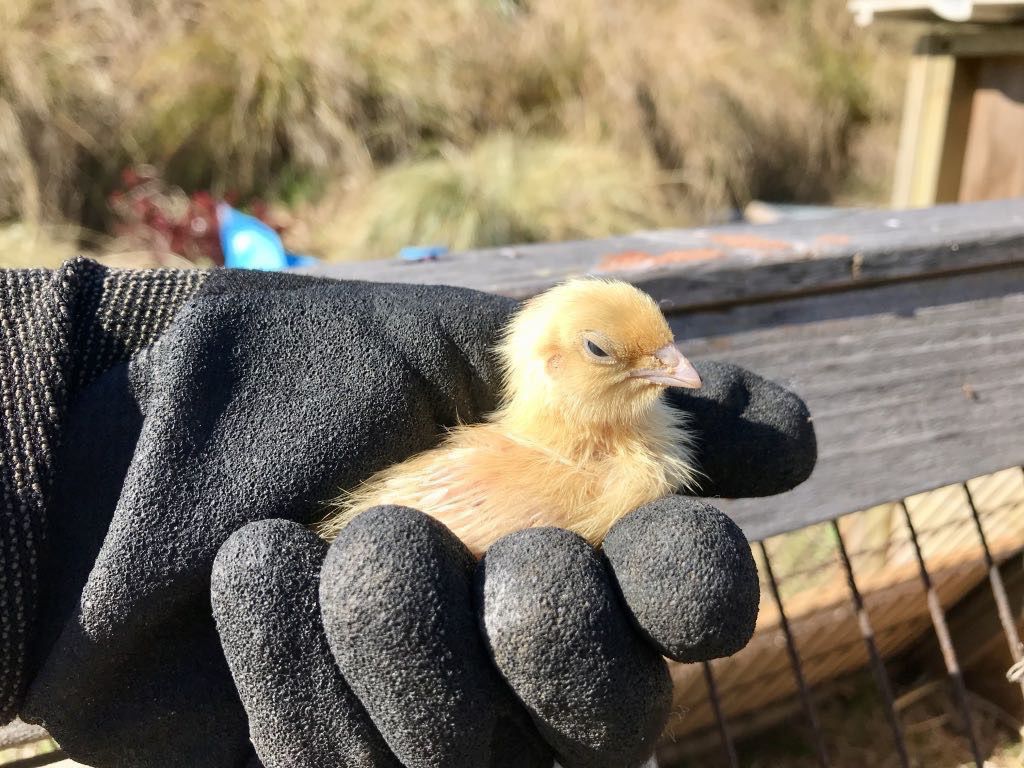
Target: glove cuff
59	330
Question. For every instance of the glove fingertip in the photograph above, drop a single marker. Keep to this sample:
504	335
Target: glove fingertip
395	595
754	437
300	709
597	692
688	577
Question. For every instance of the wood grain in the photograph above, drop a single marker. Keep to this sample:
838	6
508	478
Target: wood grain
994	160
911	386
936	114
754	263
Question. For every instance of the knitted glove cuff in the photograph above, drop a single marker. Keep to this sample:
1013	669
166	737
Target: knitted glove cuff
59	330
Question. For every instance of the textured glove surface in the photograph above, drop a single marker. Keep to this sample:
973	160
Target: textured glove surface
301	711
266	394
578	676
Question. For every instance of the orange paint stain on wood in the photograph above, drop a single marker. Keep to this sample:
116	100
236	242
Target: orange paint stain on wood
627	260
750	242
832	240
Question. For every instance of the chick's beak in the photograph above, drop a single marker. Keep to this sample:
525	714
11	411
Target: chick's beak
677	370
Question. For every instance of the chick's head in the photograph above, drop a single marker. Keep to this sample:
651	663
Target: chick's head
594	350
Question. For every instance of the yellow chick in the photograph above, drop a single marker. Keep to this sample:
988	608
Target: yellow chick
582	435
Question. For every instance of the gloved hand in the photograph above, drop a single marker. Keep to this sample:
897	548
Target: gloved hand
192	405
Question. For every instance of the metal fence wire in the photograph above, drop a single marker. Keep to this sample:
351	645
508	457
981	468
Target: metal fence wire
864	593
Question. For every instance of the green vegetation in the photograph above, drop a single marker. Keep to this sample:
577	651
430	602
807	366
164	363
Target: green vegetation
461	121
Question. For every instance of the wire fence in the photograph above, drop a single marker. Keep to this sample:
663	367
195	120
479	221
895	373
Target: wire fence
855	593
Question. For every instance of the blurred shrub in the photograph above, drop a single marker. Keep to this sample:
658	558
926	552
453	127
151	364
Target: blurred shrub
150	215
505	190
61	105
24	245
303	100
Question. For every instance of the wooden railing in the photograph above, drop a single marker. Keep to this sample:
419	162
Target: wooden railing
904	333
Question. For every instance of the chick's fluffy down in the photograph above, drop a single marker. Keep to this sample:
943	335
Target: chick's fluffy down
582	436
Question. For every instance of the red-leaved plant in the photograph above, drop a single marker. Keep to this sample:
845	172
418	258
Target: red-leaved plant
151	215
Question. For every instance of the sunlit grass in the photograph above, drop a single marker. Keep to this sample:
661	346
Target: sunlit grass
27	245
504	190
296	100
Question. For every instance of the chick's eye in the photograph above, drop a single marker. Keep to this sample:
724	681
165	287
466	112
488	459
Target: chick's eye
593	349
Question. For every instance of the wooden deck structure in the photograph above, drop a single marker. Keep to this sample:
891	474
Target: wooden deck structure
963	113
904	332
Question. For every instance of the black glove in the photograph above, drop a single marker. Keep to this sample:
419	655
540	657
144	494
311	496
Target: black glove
261	395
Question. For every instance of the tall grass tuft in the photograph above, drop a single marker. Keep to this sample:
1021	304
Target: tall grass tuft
236	94
504	190
60	102
307	100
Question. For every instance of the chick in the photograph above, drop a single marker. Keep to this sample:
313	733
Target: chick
582	434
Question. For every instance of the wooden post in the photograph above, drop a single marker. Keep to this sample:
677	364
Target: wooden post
994	160
963	103
933	136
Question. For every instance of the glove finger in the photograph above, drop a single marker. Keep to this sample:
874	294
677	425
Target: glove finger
301	712
395	594
687	576
558	634
753	436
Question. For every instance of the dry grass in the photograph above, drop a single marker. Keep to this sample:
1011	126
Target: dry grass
25	245
504	190
367	107
856	733
60	102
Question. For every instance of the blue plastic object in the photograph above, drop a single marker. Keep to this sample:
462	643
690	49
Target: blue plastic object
248	243
422	252
299	259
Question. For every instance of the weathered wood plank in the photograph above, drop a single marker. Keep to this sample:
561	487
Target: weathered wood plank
699	268
994	41
993	164
936	114
1000	35
918	385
